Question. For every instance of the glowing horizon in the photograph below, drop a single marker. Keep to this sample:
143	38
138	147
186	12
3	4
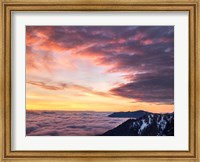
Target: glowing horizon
95	68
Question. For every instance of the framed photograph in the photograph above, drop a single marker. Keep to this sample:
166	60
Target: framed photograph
100	81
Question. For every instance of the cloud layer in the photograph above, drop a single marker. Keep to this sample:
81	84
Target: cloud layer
60	123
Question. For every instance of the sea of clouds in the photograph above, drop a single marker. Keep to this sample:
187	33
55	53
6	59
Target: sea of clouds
62	123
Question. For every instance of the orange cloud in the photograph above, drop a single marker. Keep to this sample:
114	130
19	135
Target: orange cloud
62	86
45	86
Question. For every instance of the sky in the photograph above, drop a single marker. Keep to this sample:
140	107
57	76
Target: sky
100	68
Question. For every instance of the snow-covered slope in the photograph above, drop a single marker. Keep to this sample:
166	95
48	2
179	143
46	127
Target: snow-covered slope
148	125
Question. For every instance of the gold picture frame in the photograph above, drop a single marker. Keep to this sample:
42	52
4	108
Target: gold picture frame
192	6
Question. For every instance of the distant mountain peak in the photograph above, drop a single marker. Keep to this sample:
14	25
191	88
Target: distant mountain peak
129	114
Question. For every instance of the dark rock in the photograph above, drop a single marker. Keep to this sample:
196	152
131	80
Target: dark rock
148	125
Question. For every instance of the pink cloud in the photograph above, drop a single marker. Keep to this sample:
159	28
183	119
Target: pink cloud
147	41
138	36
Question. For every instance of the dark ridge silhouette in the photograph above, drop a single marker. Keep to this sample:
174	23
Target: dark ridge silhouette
148	125
134	114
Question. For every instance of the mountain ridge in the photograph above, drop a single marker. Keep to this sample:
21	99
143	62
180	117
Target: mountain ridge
129	114
152	124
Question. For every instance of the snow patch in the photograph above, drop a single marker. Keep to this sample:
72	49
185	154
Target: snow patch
149	119
162	123
143	126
